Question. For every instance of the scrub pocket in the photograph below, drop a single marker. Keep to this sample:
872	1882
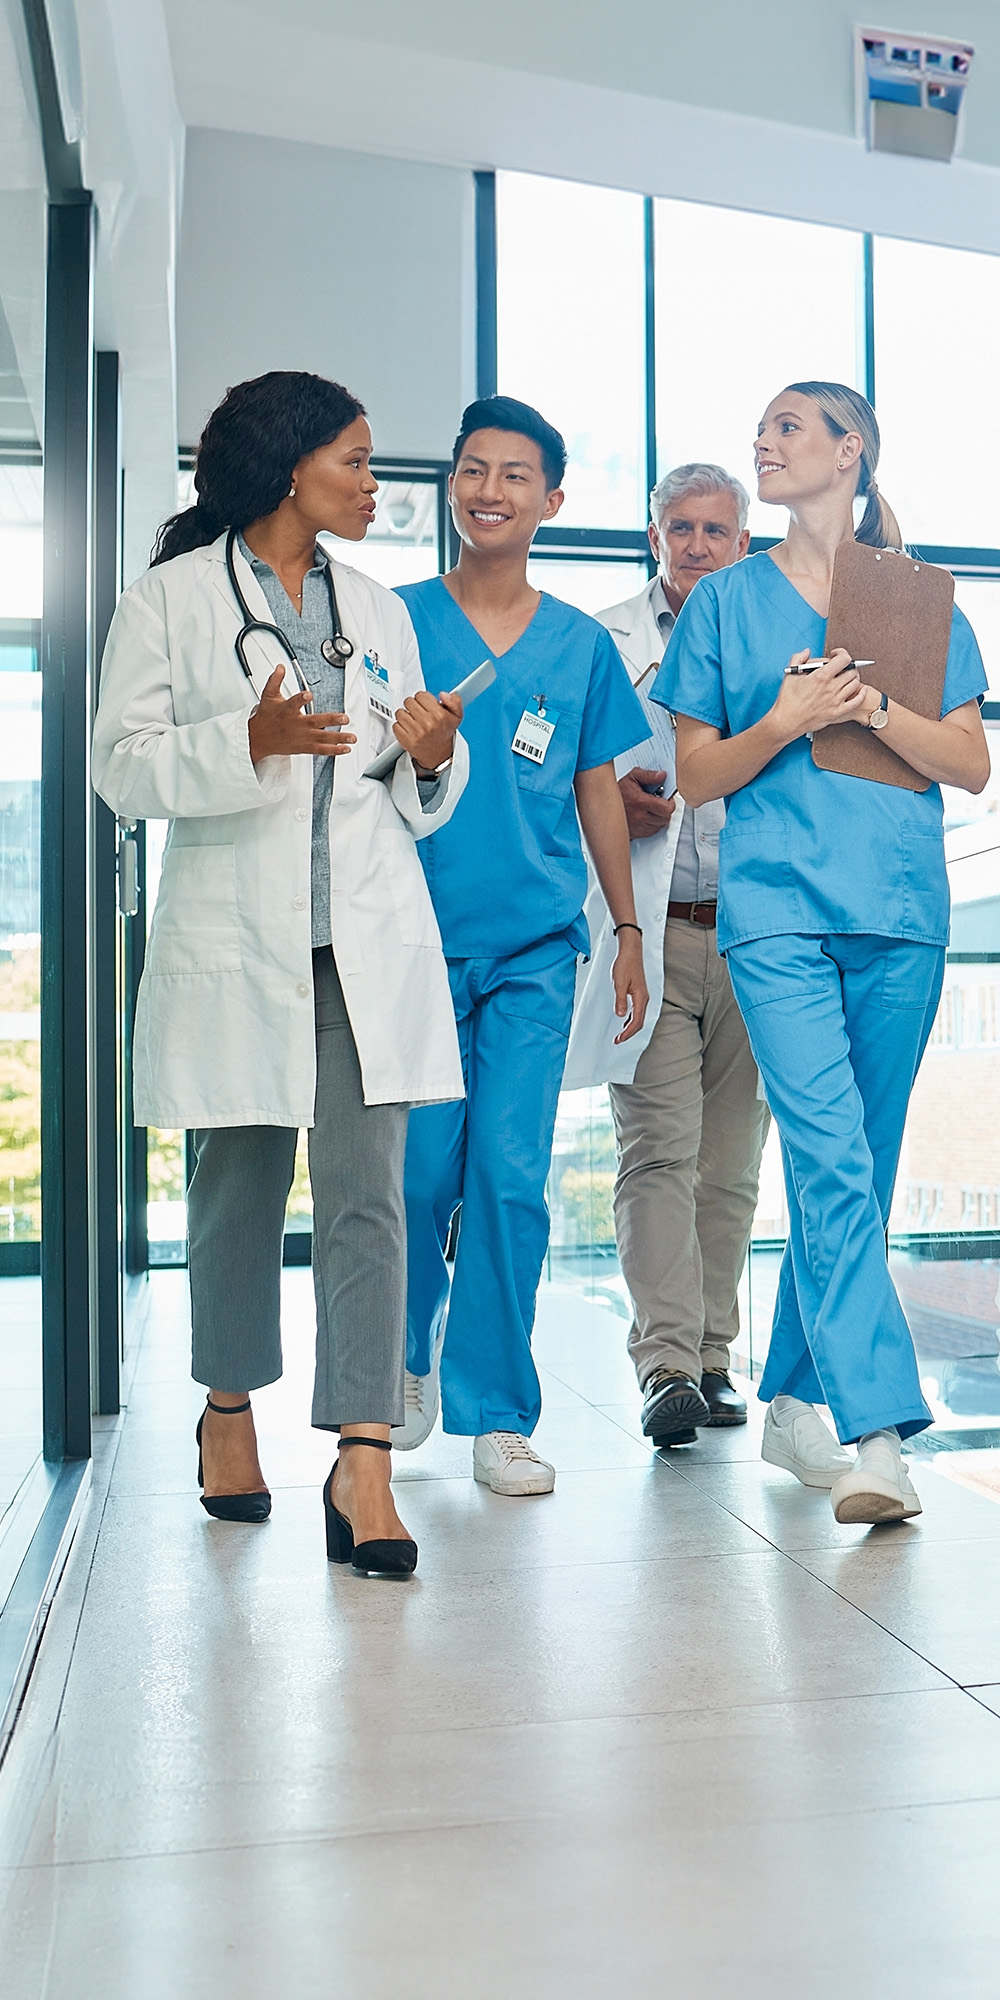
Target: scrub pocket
195	927
926	901
913	976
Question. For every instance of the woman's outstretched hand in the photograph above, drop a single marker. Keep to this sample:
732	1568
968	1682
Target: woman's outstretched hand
833	692
426	728
279	728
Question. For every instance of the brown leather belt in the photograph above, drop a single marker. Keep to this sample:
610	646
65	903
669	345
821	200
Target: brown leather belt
694	913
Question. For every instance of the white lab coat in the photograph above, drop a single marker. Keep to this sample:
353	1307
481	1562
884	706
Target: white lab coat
224	1032
592	1057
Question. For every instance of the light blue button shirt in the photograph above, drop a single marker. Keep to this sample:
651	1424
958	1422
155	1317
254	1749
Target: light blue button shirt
695	877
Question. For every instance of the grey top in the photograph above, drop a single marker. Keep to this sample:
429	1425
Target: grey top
306	633
695	878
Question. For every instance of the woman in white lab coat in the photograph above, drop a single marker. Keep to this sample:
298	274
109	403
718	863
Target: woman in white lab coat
294	973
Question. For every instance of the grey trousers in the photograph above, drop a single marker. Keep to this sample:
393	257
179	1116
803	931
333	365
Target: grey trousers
690	1132
236	1219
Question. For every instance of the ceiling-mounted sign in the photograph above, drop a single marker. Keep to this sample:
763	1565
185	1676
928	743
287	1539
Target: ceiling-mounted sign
910	91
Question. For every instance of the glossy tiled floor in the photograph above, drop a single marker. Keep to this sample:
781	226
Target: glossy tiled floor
668	1731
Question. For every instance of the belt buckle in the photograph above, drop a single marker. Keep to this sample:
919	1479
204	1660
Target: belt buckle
704	923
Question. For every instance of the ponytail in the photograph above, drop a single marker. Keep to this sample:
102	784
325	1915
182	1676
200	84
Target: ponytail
878	526
194	528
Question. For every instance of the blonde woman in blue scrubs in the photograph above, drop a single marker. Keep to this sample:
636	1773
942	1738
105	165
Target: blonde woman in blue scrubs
833	917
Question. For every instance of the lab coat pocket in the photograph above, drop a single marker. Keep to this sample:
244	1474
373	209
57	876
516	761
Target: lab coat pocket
196	926
407	887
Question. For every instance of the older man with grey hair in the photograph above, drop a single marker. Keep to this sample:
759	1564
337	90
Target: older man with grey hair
689	1123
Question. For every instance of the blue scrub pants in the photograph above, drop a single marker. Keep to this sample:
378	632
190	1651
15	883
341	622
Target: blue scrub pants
838	1026
491	1153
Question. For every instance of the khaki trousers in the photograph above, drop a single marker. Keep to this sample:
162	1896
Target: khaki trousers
690	1132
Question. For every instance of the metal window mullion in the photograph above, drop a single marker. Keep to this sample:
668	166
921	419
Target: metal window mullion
486	283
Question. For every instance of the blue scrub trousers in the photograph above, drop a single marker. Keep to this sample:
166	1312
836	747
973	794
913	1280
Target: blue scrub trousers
838	1026
491	1153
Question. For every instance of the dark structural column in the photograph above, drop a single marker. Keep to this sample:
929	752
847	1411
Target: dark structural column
66	821
106	1202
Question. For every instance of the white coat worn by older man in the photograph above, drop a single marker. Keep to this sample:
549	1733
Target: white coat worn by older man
684	1092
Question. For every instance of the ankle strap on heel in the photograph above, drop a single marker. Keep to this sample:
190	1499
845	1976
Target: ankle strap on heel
227	1409
377	1444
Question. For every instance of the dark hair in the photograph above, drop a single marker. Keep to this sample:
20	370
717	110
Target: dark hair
846	410
505	413
249	449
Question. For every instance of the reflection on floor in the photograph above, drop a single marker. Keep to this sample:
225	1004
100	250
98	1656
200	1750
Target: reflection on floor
667	1730
951	1299
20	1383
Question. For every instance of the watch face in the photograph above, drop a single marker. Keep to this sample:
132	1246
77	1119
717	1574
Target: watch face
878	720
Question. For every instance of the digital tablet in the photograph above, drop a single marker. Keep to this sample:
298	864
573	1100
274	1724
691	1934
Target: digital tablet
467	690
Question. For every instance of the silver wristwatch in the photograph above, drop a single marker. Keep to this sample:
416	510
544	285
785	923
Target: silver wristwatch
880	715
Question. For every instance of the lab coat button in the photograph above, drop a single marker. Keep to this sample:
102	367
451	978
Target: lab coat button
301	813
298	902
302	990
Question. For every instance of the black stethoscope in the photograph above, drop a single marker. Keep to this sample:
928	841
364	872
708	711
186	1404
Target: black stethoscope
336	651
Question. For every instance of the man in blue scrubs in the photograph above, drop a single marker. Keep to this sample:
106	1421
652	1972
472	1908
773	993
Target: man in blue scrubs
508	879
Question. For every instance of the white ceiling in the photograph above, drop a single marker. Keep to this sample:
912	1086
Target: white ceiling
746	106
262	67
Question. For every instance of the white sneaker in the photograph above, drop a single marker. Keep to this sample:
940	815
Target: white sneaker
878	1486
803	1445
505	1462
423	1401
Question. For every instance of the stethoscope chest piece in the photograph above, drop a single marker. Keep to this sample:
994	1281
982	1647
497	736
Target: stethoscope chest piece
337	651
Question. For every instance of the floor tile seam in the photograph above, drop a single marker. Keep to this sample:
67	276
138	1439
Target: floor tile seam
45	1869
881	1627
467	1823
347	1732
608	1718
971	1690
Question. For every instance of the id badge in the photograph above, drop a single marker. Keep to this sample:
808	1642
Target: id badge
533	735
377	681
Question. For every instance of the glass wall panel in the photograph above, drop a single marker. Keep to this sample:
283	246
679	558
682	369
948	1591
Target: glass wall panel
570	334
591	586
744	305
22	329
936	314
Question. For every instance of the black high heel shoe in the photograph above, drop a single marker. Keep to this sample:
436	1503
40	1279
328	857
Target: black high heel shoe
230	1506
367	1558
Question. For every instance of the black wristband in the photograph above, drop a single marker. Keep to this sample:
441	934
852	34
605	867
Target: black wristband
625	927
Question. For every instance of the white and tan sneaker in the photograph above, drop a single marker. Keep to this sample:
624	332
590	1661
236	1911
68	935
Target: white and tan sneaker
423	1401
505	1462
798	1440
878	1486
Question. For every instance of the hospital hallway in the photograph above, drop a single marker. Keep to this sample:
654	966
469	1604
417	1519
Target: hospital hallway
668	1729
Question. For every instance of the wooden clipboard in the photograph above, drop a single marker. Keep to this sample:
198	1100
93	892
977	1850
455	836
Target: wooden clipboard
891	608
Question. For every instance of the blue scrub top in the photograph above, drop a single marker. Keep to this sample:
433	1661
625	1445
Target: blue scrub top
805	850
508	870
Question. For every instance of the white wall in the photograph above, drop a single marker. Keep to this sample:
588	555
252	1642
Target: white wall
356	267
133	153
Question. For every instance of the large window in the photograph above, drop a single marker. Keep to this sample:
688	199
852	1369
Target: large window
653	333
744	305
570	334
22	325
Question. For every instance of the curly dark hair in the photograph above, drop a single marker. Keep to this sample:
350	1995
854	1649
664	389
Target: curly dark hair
248	451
